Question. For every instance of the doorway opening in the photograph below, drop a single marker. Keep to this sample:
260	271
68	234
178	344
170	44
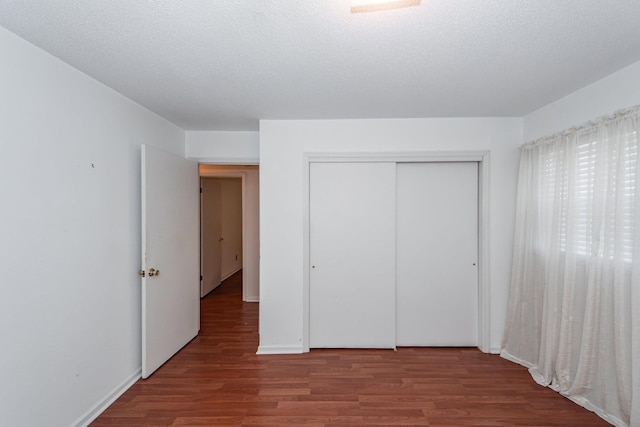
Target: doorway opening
230	227
220	231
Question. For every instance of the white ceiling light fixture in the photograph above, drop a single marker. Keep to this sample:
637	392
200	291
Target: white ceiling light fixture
359	6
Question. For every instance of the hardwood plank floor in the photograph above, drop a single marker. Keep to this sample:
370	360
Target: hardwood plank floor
218	380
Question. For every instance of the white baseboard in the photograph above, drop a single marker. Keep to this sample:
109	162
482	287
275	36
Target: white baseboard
495	350
225	277
252	299
100	407
280	349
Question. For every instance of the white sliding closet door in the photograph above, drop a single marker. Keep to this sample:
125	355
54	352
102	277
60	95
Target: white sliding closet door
352	255
437	252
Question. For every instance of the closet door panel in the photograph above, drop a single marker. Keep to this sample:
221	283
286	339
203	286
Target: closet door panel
352	255
437	252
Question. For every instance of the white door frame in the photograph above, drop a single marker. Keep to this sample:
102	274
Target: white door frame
483	160
242	175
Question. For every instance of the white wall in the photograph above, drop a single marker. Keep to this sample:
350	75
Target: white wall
70	245
241	148
602	98
282	144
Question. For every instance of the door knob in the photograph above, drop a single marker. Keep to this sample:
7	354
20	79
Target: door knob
153	272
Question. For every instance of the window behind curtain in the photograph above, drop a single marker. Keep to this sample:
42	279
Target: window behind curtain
594	184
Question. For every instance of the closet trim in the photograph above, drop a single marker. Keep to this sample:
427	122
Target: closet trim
483	160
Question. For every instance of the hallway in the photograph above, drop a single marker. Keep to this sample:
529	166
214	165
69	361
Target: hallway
218	380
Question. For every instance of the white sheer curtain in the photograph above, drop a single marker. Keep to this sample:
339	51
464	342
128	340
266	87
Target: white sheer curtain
574	304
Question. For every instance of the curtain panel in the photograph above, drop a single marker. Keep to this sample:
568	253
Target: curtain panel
574	303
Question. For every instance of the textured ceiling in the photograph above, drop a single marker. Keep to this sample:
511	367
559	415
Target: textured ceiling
223	65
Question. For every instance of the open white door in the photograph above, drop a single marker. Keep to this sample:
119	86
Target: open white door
211	235
170	256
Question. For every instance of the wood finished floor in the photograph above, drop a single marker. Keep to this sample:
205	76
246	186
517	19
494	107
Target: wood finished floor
218	380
